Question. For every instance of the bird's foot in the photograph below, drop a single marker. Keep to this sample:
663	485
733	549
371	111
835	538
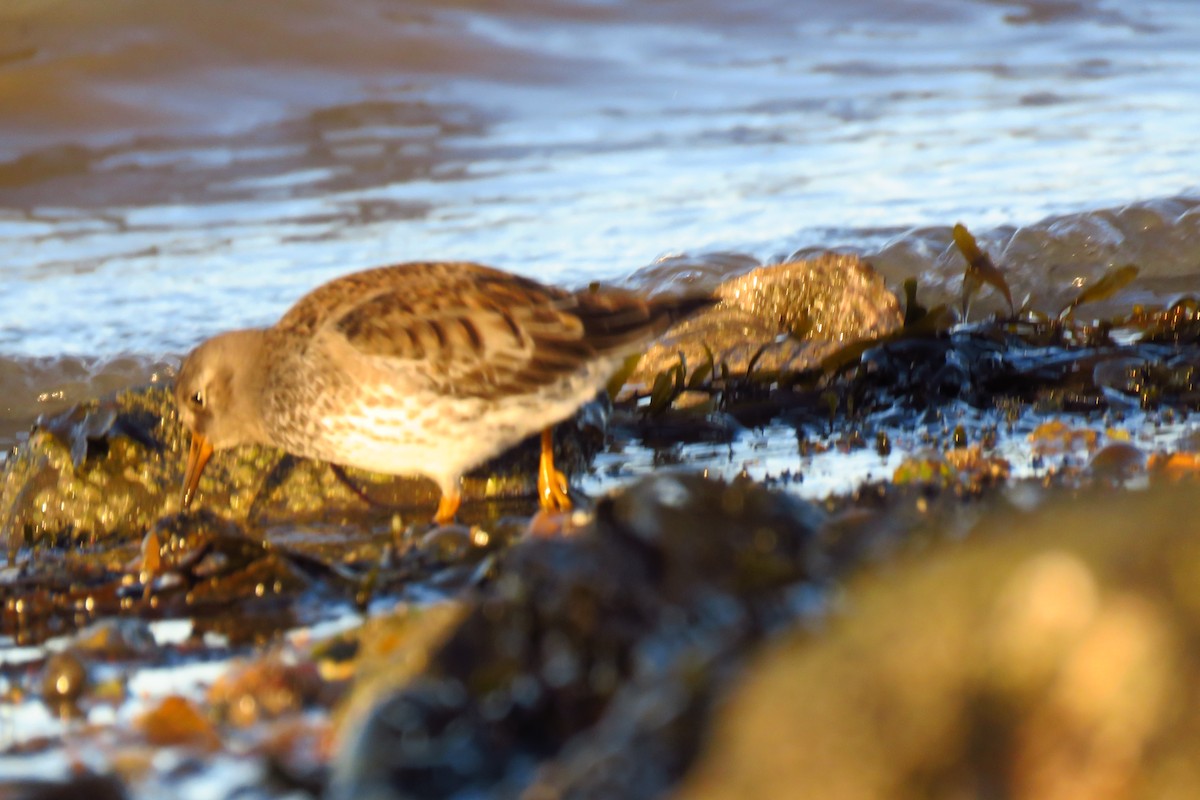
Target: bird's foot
553	492
447	508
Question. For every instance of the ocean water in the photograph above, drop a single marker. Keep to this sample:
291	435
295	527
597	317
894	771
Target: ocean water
170	169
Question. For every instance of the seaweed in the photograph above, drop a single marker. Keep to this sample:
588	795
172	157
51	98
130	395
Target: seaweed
1109	284
980	270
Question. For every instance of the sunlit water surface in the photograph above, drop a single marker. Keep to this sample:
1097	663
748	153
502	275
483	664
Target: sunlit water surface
167	172
173	170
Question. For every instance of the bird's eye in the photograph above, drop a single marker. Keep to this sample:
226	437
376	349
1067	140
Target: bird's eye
197	399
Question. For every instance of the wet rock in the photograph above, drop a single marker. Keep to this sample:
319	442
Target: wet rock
447	542
1118	463
1050	656
118	483
116	638
997	364
89	785
177	721
644	609
64	680
267	688
386	653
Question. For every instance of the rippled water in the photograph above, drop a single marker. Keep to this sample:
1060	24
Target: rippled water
169	169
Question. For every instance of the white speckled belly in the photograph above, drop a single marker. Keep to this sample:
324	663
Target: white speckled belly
442	436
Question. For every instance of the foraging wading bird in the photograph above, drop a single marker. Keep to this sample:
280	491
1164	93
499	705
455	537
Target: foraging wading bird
427	368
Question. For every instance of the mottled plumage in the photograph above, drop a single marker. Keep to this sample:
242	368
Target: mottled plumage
426	368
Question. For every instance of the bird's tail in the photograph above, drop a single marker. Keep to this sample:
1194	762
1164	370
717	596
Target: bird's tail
617	319
673	309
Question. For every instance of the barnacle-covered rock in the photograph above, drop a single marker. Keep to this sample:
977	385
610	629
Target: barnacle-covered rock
97	468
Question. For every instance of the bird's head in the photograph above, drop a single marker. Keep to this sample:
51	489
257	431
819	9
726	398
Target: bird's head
217	396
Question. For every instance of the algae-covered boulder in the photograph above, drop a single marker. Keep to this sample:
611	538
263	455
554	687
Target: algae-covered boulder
799	310
100	467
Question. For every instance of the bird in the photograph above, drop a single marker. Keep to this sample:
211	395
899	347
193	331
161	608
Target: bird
424	368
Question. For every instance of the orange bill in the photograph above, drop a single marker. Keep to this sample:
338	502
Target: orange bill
200	453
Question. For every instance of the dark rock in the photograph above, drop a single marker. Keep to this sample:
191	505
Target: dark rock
589	645
89	785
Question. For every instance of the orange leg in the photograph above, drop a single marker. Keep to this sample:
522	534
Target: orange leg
552	484
447	507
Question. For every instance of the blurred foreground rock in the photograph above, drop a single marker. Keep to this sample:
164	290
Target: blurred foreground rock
1053	656
587	667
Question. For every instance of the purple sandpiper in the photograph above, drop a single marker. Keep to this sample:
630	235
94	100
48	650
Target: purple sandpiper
427	368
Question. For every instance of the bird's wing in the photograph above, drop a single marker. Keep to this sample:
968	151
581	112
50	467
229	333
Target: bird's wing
463	329
469	330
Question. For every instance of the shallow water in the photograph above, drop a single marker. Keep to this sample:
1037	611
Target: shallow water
168	171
